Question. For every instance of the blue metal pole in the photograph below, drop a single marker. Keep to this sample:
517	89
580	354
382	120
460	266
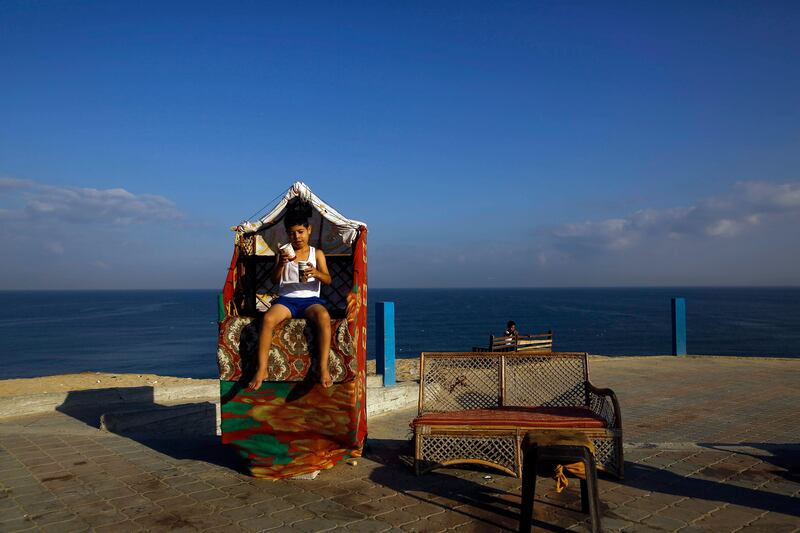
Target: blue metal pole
384	342
678	326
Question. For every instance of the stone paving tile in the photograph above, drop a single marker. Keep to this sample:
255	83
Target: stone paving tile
180	502
290	516
351	499
441	521
244	513
629	513
301	498
345	516
121	527
374	508
323	506
485	519
69	526
314	524
663	523
727	519
775	523
18	524
255	497
40	507
368	526
398	517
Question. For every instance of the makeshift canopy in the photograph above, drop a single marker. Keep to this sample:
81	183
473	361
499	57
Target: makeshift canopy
292	425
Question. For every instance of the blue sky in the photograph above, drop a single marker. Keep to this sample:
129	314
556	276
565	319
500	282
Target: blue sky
485	144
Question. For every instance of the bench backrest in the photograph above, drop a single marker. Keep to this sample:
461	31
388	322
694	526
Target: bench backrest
502	343
532	342
454	381
535	342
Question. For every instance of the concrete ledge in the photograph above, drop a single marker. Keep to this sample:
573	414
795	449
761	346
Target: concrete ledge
137	417
380	399
134	414
384	399
47	402
374	380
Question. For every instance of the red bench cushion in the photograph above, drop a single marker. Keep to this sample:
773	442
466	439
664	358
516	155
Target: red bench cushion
515	417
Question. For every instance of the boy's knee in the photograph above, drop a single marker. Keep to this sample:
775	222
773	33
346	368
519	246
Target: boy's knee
269	322
318	314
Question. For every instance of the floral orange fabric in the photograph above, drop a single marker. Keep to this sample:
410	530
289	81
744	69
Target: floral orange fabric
290	356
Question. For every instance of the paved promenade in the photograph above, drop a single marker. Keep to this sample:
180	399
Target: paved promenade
712	445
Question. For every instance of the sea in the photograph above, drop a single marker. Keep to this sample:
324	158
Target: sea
175	332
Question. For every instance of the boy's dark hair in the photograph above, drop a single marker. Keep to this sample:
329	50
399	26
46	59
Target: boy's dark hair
297	213
511	323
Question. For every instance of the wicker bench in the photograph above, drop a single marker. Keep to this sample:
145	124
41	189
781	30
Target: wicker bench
475	407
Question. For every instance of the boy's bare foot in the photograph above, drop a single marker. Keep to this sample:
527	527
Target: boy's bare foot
326	380
258	378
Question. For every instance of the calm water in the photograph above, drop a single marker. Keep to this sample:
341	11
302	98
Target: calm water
174	332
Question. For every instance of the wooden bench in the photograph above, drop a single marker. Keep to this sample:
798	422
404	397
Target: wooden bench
533	342
475	407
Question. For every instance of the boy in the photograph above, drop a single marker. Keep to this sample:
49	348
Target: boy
512	335
298	293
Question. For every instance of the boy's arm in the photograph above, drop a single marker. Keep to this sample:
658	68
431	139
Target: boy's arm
280	264
321	272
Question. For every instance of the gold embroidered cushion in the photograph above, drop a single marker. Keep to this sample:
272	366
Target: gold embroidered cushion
290	357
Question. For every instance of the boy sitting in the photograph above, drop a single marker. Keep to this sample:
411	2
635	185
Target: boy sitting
298	293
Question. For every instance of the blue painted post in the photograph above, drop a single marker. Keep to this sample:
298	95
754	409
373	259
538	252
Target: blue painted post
678	326
384	342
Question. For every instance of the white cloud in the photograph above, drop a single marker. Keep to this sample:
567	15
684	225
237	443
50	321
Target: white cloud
771	196
55	248
34	202
728	216
724	227
10	184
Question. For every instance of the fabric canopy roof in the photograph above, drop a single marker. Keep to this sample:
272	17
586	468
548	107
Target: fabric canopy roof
333	232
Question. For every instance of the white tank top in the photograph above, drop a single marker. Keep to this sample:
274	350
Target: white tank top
292	287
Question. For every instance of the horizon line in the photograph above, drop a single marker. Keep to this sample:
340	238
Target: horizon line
560	287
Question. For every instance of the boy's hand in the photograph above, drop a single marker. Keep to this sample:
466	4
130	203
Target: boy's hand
284	258
309	272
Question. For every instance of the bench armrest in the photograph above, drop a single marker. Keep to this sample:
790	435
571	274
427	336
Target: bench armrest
604	402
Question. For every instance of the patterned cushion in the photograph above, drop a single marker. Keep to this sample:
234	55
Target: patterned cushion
515	417
289	358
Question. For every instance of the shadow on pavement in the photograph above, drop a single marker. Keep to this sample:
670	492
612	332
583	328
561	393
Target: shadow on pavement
89	405
785	457
715	484
186	431
494	503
